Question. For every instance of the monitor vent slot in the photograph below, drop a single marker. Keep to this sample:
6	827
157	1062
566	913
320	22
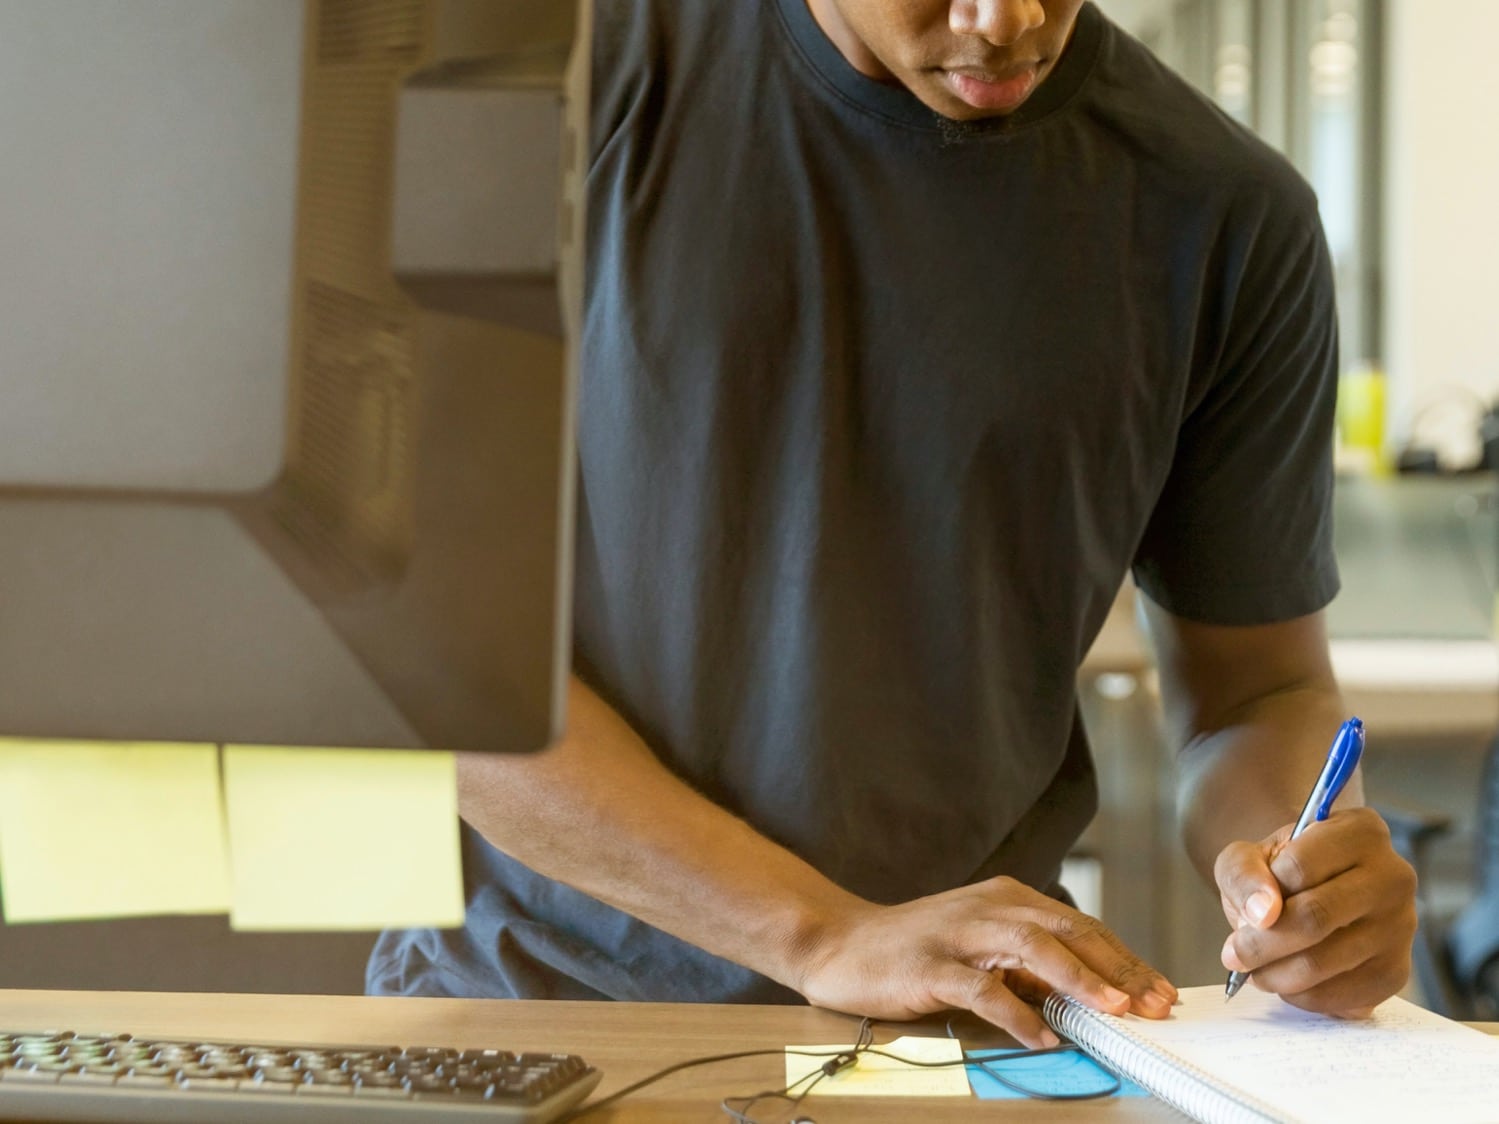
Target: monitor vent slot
345	494
352	448
346	178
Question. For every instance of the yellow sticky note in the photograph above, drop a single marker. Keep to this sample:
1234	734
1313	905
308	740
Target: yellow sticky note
94	830
342	839
874	1075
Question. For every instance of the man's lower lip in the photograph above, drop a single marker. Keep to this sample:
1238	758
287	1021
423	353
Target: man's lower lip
1005	94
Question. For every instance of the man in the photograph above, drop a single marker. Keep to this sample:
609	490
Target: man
912	326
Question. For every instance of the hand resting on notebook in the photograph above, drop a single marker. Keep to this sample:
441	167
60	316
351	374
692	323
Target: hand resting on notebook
991	948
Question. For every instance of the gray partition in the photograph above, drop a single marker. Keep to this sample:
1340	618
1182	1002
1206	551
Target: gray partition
180	954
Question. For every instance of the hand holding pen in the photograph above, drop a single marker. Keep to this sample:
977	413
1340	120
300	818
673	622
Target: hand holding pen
1342	759
1323	918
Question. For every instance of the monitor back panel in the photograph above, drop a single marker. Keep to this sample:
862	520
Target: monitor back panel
403	580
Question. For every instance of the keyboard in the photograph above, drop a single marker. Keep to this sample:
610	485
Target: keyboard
119	1078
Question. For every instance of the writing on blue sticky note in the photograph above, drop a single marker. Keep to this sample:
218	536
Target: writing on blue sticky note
1060	1074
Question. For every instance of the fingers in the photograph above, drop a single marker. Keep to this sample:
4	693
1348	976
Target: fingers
1150	993
1324	932
1327	849
1308	919
1248	886
1030	944
1341	941
1038	959
1064	950
1355	993
1347	974
985	994
1255	878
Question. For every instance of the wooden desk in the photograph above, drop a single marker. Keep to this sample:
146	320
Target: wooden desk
625	1040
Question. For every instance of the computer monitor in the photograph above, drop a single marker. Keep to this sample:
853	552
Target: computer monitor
380	557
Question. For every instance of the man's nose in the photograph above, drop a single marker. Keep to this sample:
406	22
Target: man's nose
1000	22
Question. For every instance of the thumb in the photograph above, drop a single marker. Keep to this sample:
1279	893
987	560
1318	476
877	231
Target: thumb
1250	893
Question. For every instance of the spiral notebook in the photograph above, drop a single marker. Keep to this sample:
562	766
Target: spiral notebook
1259	1059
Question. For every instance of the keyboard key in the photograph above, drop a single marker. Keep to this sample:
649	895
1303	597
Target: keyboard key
379	1081
29	1076
397	1092
270	1088
281	1076
154	1071
330	1077
144	1081
209	1084
308	1089
430	1084
88	1078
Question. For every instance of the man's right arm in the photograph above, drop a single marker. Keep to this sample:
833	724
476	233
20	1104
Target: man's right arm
599	812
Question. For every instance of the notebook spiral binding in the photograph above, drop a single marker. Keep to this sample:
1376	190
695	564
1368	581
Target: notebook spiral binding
1183	1086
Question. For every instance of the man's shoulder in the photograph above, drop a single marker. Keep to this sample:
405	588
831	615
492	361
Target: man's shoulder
641	31
1177	133
659	50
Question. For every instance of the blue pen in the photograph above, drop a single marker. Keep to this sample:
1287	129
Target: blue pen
1342	759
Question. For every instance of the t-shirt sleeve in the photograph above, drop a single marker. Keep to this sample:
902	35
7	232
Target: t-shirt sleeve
626	49
1242	530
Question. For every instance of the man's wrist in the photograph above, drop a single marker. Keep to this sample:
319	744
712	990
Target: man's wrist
1243	782
811	934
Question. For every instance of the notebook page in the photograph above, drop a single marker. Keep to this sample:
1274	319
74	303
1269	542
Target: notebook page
1404	1064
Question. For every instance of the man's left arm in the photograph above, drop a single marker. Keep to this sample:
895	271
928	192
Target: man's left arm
1325	921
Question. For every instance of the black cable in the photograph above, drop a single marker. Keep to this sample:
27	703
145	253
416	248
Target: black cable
692	1063
741	1115
1014	1086
836	1062
1066	1048
983	1062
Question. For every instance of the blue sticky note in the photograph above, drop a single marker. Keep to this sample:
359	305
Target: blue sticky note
1069	1071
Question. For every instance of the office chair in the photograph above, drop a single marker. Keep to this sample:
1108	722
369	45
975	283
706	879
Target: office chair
1456	959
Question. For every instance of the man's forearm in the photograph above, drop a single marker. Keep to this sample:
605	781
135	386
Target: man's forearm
599	812
1324	921
1250	776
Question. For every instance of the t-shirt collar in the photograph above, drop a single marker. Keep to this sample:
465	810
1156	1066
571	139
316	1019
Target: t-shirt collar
898	104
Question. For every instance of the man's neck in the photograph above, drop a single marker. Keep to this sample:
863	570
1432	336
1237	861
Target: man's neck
830	19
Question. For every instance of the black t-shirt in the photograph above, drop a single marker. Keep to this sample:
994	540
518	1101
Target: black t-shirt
876	415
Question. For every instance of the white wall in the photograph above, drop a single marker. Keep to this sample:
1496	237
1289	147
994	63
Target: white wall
1136	15
147	184
1442	203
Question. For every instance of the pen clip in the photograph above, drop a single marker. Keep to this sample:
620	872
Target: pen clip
1342	760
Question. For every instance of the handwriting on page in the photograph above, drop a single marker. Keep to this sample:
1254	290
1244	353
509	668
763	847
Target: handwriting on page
1403	1062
